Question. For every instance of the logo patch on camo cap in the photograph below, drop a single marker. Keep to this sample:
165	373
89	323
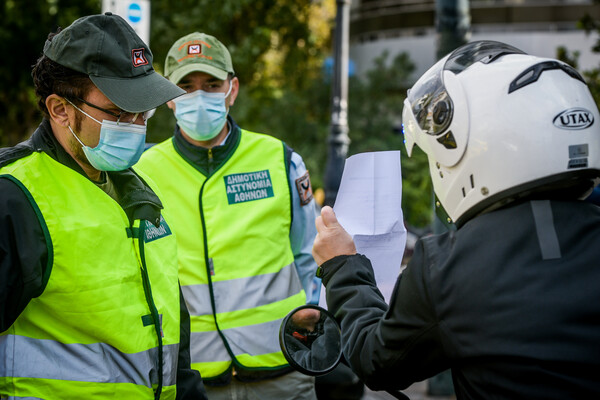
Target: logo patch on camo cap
195	49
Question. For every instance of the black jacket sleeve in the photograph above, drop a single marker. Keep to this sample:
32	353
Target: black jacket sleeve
23	253
387	348
189	382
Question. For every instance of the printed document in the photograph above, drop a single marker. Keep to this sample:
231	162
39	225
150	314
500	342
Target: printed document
369	206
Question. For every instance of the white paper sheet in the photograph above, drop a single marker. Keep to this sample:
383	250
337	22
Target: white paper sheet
369	206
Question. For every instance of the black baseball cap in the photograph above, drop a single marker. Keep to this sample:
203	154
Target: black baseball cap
119	63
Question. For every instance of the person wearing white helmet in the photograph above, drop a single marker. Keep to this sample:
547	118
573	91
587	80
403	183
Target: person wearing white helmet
509	300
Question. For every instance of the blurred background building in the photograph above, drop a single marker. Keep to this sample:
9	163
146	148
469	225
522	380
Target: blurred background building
534	26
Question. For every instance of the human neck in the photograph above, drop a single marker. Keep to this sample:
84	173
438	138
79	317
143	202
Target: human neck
62	136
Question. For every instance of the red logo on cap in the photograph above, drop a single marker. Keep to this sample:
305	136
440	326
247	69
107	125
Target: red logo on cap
138	57
194	49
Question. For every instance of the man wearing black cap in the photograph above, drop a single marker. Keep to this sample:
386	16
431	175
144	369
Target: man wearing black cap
90	305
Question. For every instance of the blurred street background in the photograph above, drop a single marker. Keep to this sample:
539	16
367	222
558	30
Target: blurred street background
328	77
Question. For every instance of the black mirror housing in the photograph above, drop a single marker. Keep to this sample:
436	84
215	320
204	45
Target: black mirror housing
310	339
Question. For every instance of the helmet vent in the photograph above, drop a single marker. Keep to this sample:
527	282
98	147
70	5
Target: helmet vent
464	192
533	73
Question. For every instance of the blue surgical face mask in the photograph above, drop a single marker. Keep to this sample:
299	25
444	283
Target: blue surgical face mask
121	145
202	115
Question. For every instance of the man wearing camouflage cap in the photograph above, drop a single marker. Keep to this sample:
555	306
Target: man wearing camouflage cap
90	306
243	213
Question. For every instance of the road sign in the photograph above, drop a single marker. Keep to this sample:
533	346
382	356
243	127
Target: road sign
135	12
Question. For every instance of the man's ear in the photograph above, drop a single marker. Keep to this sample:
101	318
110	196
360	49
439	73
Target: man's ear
234	90
58	110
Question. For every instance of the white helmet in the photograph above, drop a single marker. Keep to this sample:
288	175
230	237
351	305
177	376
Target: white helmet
498	124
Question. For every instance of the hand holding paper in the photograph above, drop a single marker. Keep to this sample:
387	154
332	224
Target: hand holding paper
332	240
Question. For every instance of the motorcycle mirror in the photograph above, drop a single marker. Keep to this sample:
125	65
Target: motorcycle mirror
310	339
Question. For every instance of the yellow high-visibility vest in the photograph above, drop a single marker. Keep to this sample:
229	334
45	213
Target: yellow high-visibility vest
236	265
107	322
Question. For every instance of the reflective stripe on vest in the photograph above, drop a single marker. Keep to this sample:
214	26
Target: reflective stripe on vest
107	292
280	285
22	398
235	258
207	351
95	362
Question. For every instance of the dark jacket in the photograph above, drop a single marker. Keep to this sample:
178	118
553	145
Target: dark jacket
510	302
24	251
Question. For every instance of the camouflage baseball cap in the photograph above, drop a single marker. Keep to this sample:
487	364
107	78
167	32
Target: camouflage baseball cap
198	52
119	63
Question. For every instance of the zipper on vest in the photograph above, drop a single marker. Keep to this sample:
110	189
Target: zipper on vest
156	320
210	161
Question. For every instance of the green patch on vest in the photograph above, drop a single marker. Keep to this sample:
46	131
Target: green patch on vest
249	186
152	232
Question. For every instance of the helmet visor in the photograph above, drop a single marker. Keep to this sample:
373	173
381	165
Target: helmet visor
431	105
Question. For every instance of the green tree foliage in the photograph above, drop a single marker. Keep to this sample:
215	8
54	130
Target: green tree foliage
253	30
276	46
301	118
375	111
592	76
278	49
24	28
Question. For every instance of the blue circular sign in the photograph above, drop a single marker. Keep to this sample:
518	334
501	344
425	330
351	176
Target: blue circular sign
134	13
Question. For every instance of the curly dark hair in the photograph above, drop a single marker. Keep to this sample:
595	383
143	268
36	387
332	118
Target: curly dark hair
49	77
